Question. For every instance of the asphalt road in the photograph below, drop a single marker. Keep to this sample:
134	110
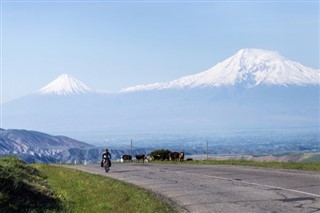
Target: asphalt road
202	188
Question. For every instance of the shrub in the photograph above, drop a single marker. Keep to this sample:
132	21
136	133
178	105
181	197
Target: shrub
161	152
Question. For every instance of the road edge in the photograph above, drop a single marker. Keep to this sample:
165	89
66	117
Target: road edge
174	205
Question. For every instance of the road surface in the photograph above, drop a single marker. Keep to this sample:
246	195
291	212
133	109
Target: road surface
211	188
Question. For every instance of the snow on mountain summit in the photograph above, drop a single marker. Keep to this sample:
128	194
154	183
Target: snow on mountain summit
248	67
65	85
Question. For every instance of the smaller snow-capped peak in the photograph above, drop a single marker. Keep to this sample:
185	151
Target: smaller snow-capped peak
65	85
248	67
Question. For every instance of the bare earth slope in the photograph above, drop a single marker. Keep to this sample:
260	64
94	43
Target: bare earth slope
200	188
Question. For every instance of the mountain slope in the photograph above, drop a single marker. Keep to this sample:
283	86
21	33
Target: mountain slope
248	68
65	85
24	141
33	146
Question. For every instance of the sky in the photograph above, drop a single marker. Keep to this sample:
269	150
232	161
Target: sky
110	45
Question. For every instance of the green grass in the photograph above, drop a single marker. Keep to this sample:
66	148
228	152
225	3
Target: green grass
48	189
84	192
23	188
308	166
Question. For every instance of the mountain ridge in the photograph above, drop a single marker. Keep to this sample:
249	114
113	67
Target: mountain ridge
248	67
34	146
20	140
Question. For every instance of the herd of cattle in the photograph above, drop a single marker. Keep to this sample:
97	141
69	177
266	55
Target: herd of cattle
172	156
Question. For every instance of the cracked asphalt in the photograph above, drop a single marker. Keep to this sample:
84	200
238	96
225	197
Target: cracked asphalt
212	188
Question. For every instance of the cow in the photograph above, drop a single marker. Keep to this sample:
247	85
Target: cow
167	156
181	156
125	158
174	156
189	159
141	157
149	158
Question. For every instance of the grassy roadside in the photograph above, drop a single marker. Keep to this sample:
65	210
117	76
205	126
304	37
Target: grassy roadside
46	189
84	192
24	189
307	166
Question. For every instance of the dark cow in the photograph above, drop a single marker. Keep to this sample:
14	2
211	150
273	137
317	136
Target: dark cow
181	156
189	159
141	157
167	156
174	156
126	158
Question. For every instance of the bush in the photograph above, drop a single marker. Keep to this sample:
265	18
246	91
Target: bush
161	153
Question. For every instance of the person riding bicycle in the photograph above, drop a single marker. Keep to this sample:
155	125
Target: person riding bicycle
106	156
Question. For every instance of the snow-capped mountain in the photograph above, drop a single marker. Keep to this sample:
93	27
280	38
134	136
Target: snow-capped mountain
249	68
65	85
252	89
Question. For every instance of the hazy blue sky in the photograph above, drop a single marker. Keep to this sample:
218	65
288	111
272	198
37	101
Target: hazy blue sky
111	45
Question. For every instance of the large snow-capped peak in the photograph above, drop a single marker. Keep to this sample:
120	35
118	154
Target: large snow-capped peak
248	67
65	85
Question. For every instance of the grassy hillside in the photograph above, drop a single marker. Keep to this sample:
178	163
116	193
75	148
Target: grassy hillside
44	188
23	188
